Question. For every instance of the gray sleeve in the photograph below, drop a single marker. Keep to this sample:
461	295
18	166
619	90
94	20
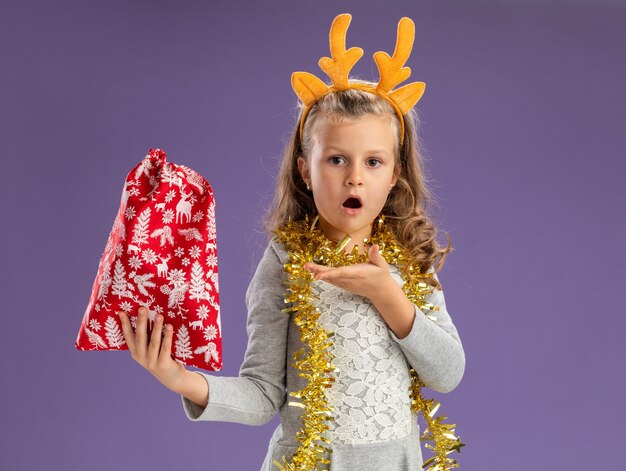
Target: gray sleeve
255	395
433	348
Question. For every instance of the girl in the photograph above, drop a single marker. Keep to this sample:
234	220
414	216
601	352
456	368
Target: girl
336	341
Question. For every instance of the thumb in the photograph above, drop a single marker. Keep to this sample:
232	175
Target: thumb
375	257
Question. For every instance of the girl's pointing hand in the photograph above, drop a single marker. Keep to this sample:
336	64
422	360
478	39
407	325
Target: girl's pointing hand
364	279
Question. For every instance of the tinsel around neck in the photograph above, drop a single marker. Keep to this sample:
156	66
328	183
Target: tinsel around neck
305	242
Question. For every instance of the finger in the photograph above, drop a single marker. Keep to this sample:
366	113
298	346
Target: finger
155	340
337	274
315	268
127	330
141	335
165	354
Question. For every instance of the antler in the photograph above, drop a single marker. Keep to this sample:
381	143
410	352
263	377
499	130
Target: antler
392	71
307	86
338	66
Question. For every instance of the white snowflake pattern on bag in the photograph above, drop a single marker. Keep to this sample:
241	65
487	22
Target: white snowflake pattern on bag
162	265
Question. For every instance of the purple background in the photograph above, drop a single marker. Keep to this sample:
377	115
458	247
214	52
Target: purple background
523	120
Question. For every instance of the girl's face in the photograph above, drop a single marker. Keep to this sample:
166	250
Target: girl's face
350	169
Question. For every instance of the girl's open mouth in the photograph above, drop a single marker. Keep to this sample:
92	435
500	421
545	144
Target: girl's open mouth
352	203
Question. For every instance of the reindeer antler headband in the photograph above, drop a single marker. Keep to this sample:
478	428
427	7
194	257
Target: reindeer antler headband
392	72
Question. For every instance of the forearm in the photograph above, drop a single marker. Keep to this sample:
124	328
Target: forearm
436	355
432	347
195	388
394	307
239	399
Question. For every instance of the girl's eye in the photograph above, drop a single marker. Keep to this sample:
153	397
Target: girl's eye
336	159
374	162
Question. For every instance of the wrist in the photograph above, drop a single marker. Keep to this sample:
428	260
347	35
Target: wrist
395	308
186	381
194	387
384	290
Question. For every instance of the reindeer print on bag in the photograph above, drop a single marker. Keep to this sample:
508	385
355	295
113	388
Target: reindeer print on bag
183	208
161	254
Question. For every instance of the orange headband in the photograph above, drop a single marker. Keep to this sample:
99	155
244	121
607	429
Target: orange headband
392	72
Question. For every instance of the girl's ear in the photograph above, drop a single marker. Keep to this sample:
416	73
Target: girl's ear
303	167
396	175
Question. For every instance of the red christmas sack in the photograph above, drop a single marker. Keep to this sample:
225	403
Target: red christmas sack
161	254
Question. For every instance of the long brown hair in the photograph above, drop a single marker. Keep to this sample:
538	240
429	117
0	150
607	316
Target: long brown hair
406	207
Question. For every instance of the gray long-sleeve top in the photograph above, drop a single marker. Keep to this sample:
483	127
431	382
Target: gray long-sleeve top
373	428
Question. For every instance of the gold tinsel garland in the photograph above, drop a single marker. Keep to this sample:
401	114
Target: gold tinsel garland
306	243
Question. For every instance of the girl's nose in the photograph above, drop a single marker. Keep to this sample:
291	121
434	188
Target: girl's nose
355	178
